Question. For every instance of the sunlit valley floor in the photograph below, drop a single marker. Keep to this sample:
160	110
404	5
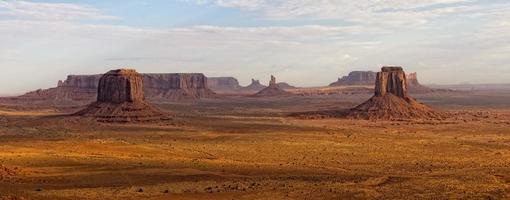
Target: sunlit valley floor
248	148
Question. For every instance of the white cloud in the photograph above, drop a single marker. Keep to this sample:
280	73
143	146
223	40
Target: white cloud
303	55
392	12
50	11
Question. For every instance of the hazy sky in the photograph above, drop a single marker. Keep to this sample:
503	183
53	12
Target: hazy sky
303	42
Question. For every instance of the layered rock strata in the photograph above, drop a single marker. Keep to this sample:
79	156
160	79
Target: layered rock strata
391	99
272	90
121	99
356	78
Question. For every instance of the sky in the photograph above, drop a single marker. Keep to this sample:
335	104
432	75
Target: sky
302	42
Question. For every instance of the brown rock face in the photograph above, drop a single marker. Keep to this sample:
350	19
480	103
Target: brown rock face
177	87
356	78
285	86
120	86
77	88
272	82
121	99
391	80
272	90
255	86
414	86
223	84
83	89
391	100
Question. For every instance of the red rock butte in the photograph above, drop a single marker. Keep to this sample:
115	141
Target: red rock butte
272	90
121	99
119	86
391	99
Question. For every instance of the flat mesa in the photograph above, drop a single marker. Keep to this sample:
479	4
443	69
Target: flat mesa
121	99
391	99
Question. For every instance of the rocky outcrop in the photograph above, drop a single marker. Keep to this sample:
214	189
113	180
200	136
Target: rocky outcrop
120	86
255	86
356	78
285	86
272	90
391	80
121	99
368	78
76	88
223	84
175	87
414	85
82	89
391	100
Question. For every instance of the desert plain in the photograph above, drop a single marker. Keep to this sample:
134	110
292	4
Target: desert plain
241	147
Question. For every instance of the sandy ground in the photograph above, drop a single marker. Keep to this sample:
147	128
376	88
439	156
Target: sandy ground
245	148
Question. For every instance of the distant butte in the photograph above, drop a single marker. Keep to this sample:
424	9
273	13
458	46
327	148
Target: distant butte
121	99
356	78
255	86
272	90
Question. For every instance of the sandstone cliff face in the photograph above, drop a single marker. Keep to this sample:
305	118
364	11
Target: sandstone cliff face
121	99
391	80
414	85
81	81
77	88
356	78
224	84
120	86
391	100
82	89
285	86
177	86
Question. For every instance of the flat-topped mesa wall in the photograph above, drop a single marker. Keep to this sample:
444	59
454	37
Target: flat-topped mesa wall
177	86
356	78
82	89
77	88
223	84
175	81
414	86
81	81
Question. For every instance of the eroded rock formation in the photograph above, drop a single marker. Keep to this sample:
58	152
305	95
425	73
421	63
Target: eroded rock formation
182	86
272	90
255	86
121	99
414	85
75	90
82	89
391	99
356	78
224	84
285	86
391	80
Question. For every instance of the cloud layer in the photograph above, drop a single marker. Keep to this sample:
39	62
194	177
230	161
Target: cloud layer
50	11
459	46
